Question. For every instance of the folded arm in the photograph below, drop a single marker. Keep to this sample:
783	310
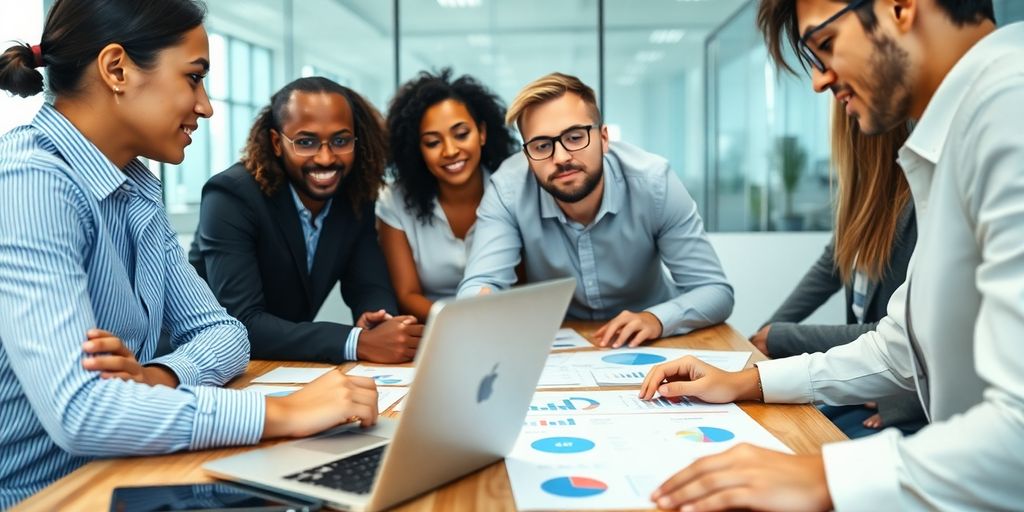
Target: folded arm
45	246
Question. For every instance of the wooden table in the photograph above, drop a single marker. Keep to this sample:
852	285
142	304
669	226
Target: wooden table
801	427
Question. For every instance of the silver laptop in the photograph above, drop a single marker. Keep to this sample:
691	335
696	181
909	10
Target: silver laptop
476	371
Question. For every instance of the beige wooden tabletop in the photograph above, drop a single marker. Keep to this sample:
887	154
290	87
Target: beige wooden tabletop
801	427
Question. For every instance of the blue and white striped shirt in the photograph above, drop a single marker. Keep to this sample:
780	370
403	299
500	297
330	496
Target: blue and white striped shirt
82	245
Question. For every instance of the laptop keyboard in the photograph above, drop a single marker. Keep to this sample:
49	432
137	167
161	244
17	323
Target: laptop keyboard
353	474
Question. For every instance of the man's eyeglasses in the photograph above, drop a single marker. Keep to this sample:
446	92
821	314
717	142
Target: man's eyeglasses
309	146
805	50
572	139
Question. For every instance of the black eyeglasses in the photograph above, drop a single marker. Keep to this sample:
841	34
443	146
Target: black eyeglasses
805	50
573	139
305	145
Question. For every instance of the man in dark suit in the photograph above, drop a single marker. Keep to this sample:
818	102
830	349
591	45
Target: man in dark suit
278	230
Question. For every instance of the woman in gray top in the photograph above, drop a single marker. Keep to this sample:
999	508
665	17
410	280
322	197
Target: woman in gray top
874	237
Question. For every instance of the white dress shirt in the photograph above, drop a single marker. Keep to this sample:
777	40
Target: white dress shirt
965	166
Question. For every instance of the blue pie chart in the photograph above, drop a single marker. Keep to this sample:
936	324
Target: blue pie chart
706	435
636	359
563	445
574	487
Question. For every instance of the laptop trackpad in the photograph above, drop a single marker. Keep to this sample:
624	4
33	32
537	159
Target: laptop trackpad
341	442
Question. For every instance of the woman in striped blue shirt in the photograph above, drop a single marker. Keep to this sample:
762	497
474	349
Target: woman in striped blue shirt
85	245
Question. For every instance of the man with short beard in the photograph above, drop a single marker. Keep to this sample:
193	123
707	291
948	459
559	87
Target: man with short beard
607	213
953	331
279	229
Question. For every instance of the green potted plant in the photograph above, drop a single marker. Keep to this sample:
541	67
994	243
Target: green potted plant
791	160
755	205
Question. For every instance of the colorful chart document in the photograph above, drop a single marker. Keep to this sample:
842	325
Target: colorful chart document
587	460
568	338
628	367
385	375
549	403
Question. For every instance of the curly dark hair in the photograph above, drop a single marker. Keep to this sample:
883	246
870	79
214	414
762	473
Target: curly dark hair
404	114
363	183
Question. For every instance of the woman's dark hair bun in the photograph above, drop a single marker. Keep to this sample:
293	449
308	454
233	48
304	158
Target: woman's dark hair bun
18	74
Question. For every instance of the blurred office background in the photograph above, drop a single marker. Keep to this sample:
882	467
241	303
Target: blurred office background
687	79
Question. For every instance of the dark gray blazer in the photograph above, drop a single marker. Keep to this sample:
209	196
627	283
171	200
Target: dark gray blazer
787	337
250	249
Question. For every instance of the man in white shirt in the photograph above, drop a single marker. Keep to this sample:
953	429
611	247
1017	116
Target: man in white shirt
954	330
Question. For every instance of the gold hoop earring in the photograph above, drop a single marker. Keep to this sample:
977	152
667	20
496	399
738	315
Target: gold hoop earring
117	93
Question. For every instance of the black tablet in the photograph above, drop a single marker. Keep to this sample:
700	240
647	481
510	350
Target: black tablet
205	497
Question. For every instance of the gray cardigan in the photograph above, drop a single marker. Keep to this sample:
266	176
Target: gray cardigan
787	337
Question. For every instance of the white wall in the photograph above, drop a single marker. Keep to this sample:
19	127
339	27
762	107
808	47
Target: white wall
22	22
762	267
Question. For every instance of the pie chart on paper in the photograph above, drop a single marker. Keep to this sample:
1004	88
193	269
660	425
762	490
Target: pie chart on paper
634	359
387	379
706	435
574	487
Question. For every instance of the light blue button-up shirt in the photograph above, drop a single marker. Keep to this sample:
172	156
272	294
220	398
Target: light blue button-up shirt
645	250
311	229
82	245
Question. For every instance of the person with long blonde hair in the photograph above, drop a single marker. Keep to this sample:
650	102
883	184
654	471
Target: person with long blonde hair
874	236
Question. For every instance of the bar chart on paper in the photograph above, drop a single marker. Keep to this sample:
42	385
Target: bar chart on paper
614	455
657	403
572	403
617	377
550	422
558	403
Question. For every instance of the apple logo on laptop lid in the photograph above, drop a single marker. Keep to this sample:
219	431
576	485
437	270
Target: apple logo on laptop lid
487	385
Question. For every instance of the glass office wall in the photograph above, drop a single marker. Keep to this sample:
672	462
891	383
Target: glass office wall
503	44
767	134
654	80
689	80
258	46
767	137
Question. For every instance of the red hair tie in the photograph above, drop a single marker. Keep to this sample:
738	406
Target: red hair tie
37	51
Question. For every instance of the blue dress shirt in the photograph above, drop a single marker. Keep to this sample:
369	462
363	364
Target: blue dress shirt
645	250
82	245
311	229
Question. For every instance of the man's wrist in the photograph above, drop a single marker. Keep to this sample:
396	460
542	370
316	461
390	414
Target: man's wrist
750	385
158	374
657	321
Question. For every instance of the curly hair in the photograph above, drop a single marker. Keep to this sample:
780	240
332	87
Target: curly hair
404	114
363	183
